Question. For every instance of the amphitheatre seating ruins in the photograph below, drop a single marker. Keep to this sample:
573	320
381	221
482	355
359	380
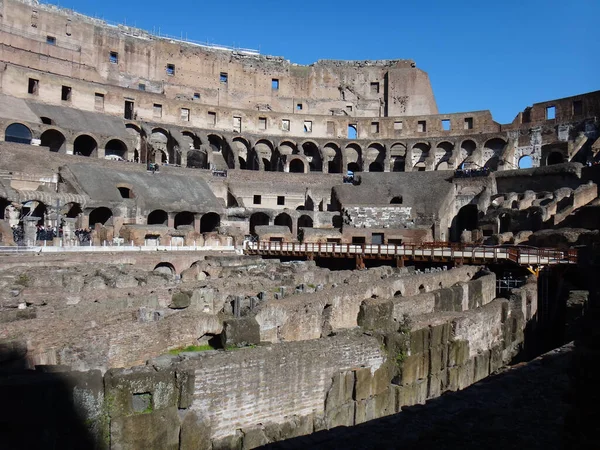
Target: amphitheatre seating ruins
210	248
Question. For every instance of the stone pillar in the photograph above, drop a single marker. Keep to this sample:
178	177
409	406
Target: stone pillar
30	229
171	220
68	231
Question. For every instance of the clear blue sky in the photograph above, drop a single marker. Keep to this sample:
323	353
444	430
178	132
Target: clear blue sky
501	55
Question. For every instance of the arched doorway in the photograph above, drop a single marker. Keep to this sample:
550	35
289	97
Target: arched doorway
258	219
296	166
184	218
100	215
19	133
85	145
54	140
115	148
311	151
284	220
210	222
165	268
305	222
158	217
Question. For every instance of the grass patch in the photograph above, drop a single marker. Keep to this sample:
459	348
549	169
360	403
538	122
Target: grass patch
23	280
191	348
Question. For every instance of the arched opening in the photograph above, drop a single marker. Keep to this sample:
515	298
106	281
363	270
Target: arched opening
311	151
19	133
555	158
100	215
158	217
334	156
375	167
54	140
296	166
422	289
305	222
264	152
284	220
242	162
184	218
258	219
136	135
525	162
210	222
159	156
85	145
190	141
165	268
492	163
115	149
420	154
197	159
443	155
396	200
467	218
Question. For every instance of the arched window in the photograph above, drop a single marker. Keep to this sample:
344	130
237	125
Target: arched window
184	218
258	219
85	145
158	217
54	140
525	162
396	200
115	149
100	215
297	166
284	220
19	133
209	222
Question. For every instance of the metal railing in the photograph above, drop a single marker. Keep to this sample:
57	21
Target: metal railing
433	250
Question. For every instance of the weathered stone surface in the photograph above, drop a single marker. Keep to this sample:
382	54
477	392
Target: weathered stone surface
253	437
157	429
341	390
180	300
195	432
342	416
240	332
232	442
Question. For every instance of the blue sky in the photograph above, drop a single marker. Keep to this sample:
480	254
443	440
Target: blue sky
501	55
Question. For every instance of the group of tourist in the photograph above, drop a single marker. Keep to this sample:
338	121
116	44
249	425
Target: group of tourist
471	173
83	235
47	233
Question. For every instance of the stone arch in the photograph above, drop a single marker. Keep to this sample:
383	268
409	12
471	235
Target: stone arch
285	220
100	215
72	210
352	154
115	147
333	155
18	133
375	156
166	268
196	159
305	221
288	148
398	157
54	140
210	222
467	151
492	150
443	155
215	142
85	145
135	133
184	218
396	200
191	141
264	153
313	156
420	154
241	148
158	217
297	166
258	219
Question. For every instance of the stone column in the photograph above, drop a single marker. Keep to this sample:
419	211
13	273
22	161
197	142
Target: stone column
30	229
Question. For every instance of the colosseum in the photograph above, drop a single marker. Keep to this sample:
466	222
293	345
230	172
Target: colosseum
204	247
